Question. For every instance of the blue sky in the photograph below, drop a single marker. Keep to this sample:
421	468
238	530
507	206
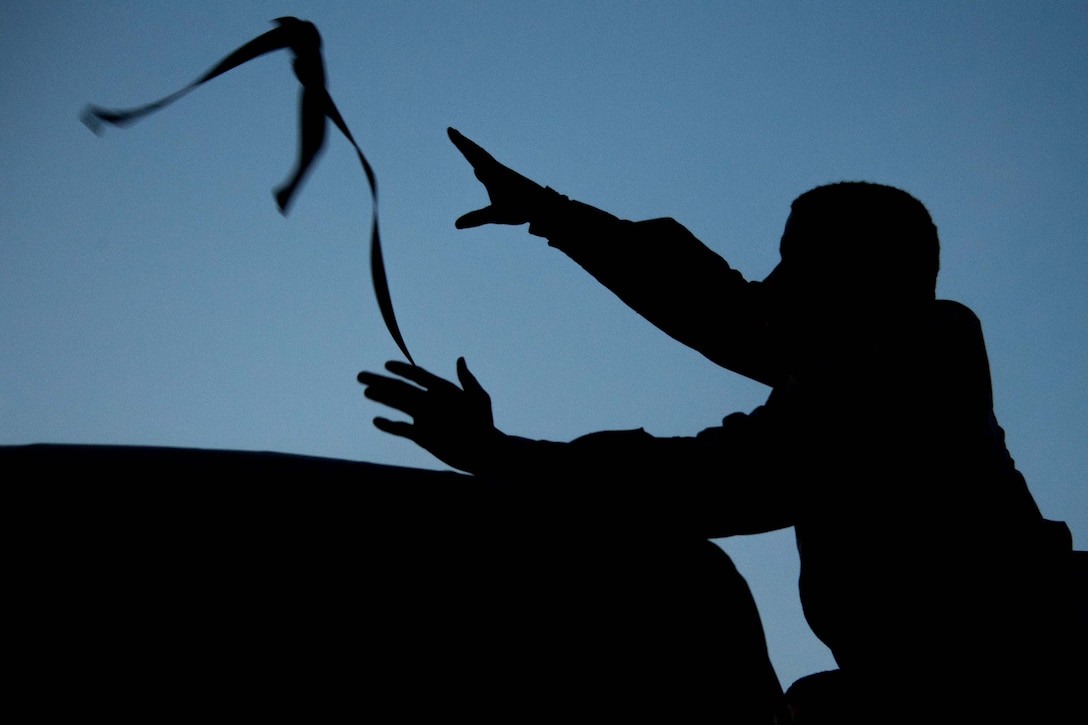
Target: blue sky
150	292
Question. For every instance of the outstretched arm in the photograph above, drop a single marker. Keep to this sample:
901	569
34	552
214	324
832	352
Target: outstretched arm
726	480
656	267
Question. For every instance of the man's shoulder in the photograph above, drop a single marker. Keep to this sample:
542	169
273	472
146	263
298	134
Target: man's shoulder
954	325
954	313
957	362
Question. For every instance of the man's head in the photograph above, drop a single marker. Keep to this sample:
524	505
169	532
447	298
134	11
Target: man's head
874	243
853	253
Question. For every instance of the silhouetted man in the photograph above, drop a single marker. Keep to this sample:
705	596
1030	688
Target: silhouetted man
926	566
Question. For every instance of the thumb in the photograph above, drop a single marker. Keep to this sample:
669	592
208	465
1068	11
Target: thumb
468	381
477	218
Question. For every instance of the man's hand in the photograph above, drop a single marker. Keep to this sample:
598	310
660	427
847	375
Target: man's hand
513	197
454	424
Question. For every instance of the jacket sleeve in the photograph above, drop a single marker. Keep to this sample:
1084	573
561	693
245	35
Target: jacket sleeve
726	480
659	269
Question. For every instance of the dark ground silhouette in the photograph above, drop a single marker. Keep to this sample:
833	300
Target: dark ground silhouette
154	580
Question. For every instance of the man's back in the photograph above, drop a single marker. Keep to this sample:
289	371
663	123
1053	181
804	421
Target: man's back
926	566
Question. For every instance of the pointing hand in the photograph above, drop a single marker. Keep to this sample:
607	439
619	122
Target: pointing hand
514	198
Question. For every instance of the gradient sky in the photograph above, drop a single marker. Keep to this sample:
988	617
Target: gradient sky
150	292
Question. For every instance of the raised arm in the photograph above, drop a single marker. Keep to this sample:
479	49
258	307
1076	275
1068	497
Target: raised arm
657	267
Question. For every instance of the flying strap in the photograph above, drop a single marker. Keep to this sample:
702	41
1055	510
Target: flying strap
304	42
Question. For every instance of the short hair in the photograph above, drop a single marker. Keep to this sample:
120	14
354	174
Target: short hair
877	239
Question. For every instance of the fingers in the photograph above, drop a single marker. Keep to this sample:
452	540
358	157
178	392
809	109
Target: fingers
402	395
423	378
394	393
424	396
472	151
394	427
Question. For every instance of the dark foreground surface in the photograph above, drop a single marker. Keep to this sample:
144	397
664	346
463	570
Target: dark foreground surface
154	581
